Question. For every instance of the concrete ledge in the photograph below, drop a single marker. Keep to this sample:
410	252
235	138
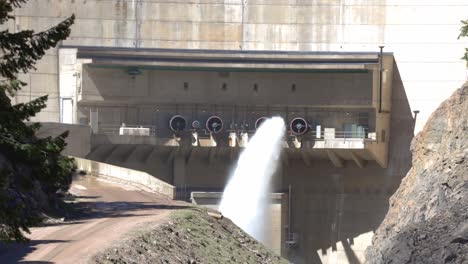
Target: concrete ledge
138	179
215	197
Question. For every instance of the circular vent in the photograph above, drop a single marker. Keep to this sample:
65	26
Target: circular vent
214	124
177	123
259	122
299	126
196	124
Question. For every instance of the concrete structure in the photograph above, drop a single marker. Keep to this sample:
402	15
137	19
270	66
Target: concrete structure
140	62
138	179
256	85
340	183
422	34
78	140
277	217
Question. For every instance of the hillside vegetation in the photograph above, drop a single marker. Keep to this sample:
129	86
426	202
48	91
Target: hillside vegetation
191	236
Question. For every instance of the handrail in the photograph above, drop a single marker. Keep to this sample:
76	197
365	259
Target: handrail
362	133
115	129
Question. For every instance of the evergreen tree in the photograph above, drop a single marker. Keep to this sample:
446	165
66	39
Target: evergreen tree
32	170
464	33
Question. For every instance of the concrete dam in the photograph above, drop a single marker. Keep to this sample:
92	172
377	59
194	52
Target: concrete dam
337	167
177	88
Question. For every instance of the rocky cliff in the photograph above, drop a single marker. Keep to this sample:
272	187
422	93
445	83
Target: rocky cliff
427	220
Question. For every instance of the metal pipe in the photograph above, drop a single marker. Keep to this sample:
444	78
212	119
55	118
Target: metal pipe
380	77
289	210
216	215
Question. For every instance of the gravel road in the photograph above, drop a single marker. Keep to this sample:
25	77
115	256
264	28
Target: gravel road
112	211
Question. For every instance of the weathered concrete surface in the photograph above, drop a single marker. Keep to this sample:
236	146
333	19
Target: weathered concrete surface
78	140
156	86
139	179
334	210
113	210
416	31
427	219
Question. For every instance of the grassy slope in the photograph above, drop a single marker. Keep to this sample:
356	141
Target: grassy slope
191	236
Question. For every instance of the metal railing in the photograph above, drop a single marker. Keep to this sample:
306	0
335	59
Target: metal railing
291	238
113	129
363	134
182	193
339	134
350	134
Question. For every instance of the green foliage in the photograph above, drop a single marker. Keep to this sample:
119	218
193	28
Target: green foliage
464	33
32	170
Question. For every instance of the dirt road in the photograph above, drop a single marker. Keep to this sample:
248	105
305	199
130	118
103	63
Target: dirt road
113	211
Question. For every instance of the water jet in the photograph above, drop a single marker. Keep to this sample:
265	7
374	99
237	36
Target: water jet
245	197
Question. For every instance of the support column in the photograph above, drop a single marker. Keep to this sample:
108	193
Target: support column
179	170
335	159
359	160
94	119
305	158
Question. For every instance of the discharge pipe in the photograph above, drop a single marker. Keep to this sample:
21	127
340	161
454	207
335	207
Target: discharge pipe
289	209
214	124
177	123
299	126
216	215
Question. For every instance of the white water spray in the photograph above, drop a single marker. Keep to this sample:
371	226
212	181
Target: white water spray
245	198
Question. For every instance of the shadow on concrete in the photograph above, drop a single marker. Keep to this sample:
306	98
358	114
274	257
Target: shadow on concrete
339	205
152	159
329	205
350	255
14	253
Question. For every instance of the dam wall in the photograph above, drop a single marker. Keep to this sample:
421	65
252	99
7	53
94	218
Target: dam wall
421	33
334	211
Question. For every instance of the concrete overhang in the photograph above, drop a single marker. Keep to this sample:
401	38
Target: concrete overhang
218	60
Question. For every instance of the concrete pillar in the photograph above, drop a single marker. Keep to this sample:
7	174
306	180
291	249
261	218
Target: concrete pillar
179	174
94	120
277	180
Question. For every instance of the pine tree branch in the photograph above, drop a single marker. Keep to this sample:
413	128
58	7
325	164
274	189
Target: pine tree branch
463	29
24	111
22	50
35	168
11	86
6	7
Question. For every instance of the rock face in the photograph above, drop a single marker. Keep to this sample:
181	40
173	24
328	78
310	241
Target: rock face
428	217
